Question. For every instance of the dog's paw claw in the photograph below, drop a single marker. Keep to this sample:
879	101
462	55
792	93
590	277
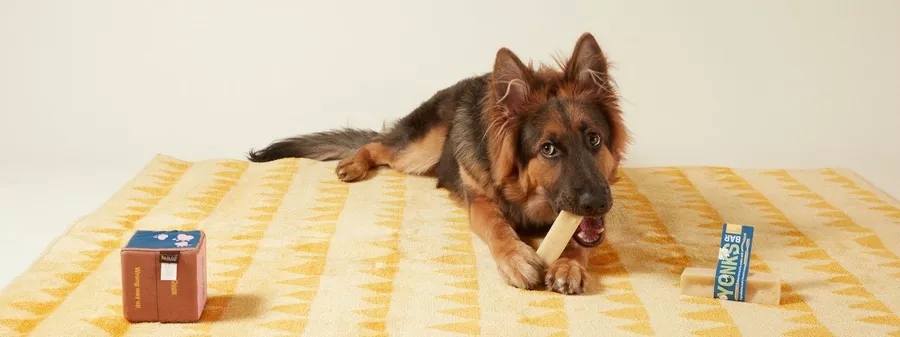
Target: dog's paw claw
521	267
350	169
566	276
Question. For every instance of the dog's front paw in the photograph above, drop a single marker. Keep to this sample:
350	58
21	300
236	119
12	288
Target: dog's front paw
351	169
520	266
566	276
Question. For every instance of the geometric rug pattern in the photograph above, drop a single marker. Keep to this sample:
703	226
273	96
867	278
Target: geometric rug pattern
293	251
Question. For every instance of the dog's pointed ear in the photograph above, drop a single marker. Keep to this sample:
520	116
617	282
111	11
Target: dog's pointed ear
588	65
510	84
510	81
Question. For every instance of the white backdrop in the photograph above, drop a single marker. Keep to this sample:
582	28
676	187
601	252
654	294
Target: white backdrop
98	87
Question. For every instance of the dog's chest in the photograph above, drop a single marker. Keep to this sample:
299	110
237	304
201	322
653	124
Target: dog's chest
534	214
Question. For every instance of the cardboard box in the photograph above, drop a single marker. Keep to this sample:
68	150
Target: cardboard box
164	276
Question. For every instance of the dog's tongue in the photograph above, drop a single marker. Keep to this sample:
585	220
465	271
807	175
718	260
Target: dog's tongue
590	232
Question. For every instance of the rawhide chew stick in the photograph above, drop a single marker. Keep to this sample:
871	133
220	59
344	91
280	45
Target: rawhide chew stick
762	288
558	237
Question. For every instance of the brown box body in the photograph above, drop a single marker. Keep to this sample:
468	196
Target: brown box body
148	298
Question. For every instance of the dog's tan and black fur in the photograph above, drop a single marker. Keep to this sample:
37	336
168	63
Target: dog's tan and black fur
515	146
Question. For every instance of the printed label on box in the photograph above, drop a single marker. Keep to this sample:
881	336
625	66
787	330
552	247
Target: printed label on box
168	266
734	262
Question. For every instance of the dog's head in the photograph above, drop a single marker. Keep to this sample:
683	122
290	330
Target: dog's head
557	136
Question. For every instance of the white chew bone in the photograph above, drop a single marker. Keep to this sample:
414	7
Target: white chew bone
558	237
761	288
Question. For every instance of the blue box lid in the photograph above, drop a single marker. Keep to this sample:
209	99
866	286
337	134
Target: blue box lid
173	239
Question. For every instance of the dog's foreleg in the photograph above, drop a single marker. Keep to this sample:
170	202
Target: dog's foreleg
517	262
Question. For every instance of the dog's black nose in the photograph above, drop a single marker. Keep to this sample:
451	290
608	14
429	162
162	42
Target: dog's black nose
591	203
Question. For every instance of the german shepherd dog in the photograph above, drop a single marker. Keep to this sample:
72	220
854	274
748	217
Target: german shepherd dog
514	146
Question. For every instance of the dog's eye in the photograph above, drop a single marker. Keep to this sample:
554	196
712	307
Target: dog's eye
594	139
548	150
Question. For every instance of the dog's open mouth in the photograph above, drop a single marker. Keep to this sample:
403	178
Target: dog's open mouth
590	232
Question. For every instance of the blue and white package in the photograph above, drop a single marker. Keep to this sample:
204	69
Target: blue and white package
734	262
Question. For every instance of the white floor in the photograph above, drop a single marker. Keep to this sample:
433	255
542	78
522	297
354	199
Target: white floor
40	202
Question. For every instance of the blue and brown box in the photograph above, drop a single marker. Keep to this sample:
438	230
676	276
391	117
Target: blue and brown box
164	276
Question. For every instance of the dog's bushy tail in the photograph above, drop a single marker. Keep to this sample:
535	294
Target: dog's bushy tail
327	145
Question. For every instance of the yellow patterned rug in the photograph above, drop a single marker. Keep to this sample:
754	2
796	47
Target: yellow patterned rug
292	251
